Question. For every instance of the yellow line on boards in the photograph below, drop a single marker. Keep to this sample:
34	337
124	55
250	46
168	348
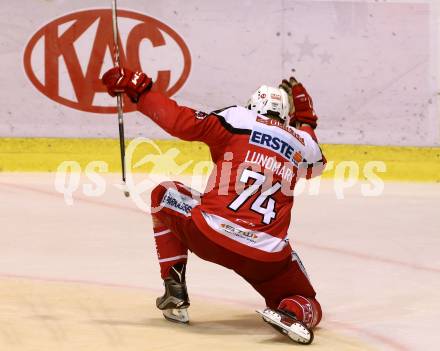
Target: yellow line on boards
46	154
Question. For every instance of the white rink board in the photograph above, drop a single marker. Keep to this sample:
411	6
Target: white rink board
371	67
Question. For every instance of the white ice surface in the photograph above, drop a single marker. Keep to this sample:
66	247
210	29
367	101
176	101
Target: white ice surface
374	261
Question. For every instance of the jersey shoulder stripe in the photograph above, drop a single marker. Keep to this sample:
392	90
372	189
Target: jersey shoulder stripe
220	110
236	119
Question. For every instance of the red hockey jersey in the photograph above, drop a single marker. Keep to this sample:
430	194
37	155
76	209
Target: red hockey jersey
247	204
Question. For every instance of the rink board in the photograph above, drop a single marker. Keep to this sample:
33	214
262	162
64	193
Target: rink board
46	155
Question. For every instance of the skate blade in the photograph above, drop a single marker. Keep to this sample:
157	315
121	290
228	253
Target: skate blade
297	332
176	315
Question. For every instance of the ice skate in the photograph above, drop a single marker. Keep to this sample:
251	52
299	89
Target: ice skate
175	302
287	324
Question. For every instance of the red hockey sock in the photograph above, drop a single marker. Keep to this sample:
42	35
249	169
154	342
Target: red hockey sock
307	310
170	250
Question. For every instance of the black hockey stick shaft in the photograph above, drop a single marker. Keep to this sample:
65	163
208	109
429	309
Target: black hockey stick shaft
119	97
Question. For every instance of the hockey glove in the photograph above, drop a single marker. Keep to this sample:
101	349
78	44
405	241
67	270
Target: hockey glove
122	80
301	110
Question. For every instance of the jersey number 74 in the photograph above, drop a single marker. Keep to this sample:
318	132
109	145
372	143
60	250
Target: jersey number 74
264	204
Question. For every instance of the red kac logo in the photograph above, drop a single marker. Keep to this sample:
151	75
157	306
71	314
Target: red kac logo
65	59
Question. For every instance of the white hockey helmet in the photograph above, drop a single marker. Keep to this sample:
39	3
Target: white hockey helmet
270	101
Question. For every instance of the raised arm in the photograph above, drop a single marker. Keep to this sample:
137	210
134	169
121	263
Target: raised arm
303	117
180	121
315	160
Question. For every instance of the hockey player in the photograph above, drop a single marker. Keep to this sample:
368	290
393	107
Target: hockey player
241	220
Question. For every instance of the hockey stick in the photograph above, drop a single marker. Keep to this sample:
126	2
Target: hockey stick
119	97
